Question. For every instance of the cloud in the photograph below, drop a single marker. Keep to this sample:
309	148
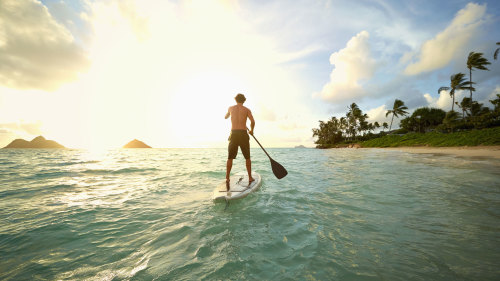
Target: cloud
444	100
23	127
494	93
353	66
378	114
449	44
15	130
36	52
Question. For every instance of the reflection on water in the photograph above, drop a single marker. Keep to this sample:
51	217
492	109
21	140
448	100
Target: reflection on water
341	214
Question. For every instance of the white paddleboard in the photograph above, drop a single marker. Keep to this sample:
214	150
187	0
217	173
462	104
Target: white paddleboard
238	187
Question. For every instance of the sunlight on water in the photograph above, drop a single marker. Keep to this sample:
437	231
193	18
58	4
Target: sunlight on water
342	214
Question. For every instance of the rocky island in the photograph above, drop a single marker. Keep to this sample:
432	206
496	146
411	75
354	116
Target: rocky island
38	142
136	144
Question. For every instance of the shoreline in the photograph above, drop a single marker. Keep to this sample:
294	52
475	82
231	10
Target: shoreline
462	151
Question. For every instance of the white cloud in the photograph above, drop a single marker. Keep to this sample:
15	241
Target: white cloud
444	100
353	66
21	129
494	93
378	114
449	44
36	52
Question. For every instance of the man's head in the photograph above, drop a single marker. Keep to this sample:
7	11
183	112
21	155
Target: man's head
240	98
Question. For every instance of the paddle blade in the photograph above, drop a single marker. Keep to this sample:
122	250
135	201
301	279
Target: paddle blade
278	170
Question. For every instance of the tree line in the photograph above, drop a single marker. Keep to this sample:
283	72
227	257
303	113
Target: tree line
355	127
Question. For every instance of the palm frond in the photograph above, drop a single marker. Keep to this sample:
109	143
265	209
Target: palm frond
476	60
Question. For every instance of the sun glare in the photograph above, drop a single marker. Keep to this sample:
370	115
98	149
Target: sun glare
164	75
196	113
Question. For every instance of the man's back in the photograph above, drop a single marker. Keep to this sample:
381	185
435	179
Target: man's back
239	115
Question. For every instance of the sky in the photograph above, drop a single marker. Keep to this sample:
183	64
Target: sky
97	74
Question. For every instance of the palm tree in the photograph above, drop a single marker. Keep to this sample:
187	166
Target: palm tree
398	109
457	82
475	60
464	105
353	115
450	120
385	125
495	55
343	125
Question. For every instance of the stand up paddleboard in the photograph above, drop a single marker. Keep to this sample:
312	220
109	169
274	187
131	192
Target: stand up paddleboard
238	187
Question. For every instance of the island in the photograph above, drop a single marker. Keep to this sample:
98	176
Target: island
38	142
136	144
300	146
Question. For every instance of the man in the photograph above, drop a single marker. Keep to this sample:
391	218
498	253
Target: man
239	136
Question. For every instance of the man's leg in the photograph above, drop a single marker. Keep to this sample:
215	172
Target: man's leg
249	170
229	165
245	149
232	150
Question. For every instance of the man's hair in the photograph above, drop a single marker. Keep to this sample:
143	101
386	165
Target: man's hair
240	98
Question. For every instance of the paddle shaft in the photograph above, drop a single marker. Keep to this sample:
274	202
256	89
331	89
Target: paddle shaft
260	145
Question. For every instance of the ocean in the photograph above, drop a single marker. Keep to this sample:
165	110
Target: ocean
340	214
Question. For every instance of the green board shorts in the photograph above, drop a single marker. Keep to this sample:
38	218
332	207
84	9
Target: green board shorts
238	138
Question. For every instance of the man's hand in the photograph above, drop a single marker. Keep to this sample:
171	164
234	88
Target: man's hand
250	132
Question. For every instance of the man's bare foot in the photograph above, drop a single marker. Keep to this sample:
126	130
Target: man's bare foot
250	180
227	184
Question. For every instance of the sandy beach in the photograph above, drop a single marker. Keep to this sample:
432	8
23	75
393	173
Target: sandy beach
463	151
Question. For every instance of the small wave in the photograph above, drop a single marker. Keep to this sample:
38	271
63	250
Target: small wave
209	173
34	191
50	174
70	163
119	171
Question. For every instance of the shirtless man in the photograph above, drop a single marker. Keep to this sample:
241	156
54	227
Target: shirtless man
239	136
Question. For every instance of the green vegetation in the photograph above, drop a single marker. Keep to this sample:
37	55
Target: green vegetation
346	129
426	126
489	136
476	125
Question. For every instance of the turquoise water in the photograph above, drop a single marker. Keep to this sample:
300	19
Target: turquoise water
340	214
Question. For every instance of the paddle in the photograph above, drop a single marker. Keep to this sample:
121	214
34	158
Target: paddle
278	170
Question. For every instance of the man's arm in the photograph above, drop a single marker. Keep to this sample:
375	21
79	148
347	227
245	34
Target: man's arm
228	113
252	122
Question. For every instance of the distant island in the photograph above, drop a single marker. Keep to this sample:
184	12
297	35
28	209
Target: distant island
136	144
300	146
38	142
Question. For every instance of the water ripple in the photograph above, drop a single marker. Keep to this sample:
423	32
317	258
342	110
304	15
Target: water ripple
340	214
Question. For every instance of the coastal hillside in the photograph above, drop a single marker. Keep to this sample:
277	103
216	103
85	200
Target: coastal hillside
136	144
38	142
